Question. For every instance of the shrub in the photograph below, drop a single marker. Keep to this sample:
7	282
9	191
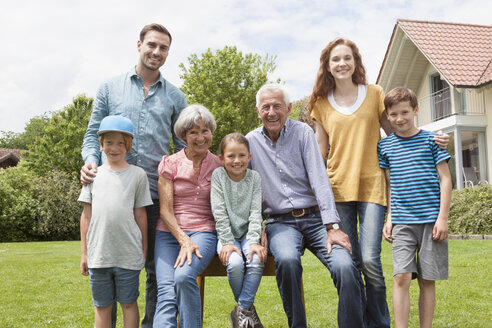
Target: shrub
17	207
471	211
38	207
57	209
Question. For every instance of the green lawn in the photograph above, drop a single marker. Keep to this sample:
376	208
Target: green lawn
41	286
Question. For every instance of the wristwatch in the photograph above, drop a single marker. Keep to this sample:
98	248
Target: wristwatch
333	226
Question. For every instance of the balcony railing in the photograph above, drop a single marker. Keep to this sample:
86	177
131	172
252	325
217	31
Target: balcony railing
472	102
439	105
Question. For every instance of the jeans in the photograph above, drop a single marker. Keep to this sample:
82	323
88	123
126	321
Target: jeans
366	253
244	286
153	216
111	285
287	239
177	289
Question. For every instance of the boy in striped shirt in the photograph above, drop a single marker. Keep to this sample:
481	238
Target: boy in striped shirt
419	186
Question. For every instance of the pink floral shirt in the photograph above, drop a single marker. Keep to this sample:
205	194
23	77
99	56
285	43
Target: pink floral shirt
191	195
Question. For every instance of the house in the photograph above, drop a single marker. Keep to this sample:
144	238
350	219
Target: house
449	67
9	157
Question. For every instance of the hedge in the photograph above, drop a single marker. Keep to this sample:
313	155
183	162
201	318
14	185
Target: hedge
38	207
471	211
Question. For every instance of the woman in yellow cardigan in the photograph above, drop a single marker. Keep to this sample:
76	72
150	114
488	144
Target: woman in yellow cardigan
348	115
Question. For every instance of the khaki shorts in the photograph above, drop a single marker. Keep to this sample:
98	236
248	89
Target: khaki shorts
415	252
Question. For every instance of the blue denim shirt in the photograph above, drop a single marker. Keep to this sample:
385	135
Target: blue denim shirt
153	120
293	175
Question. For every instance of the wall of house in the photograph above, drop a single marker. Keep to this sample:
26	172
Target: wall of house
424	116
488	131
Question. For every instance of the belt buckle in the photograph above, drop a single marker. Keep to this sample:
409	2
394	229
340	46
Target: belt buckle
302	212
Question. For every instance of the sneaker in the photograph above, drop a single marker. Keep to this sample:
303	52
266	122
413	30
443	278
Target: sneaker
245	318
233	317
256	320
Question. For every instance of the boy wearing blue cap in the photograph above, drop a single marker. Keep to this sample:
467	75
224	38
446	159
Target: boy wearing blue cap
113	226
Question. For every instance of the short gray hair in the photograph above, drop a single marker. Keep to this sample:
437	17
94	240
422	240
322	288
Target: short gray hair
190	117
273	87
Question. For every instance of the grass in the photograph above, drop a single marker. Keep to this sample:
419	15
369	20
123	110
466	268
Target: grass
41	286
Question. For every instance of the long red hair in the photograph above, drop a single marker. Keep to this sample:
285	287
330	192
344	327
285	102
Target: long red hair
325	81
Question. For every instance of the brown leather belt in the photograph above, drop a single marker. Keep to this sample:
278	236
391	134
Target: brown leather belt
297	213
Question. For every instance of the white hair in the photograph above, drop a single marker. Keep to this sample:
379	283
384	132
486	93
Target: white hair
273	87
190	117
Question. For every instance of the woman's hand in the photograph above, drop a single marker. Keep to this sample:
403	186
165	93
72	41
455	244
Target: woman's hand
226	251
188	247
442	140
259	250
387	229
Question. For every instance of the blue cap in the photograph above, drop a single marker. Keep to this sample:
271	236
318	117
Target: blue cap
116	123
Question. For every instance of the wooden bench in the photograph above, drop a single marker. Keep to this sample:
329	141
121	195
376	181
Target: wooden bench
216	269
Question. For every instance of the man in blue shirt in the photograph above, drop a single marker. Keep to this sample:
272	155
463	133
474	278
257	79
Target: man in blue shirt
153	105
299	205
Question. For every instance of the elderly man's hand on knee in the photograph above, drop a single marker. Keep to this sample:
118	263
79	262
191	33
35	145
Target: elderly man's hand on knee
337	236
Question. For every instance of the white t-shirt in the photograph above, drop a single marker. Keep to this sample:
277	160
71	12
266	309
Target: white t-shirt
361	95
113	237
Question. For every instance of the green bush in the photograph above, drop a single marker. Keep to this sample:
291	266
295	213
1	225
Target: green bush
471	211
17	207
38	207
57	209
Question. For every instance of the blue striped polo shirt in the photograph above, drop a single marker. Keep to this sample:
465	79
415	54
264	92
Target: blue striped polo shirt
415	187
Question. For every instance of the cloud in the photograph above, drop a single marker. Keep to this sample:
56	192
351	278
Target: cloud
54	50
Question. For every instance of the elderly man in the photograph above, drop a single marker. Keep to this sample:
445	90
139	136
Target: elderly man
299	206
153	105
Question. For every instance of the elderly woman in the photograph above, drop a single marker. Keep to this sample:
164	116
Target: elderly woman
185	240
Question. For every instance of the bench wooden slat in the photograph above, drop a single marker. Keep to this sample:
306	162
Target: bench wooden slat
216	269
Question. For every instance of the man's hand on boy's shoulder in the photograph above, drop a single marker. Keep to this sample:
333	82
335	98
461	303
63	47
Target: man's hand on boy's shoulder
442	140
88	173
440	230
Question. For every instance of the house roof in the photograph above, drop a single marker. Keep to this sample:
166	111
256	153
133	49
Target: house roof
6	153
462	53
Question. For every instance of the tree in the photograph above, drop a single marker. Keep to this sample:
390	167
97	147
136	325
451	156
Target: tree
58	146
299	111
226	83
9	139
33	130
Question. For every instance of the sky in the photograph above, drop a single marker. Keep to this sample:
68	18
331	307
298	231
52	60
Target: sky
51	51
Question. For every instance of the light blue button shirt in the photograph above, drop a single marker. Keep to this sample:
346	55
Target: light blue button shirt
153	118
293	175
